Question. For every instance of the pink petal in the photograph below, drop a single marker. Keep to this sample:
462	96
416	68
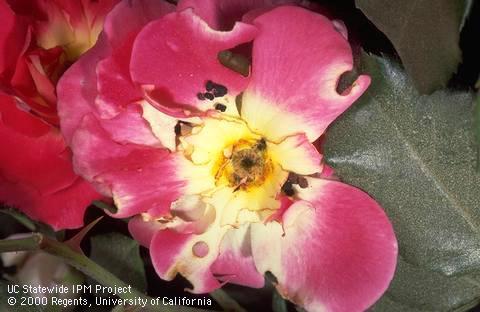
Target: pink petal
114	83
139	178
235	262
138	13
335	249
77	94
191	49
222	14
296	154
77	90
297	87
173	253
143	231
115	88
129	127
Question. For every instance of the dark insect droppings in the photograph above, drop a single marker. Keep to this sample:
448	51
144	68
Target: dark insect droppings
219	90
302	182
178	129
220	107
209	85
200	96
287	188
209	96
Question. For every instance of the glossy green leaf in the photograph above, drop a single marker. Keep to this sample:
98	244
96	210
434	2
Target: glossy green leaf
415	155
120	255
426	35
415	290
476	121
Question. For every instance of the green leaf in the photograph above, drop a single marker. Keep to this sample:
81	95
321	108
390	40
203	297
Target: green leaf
30	224
476	118
415	155
476	122
20	218
414	289
120	255
278	303
426	35
464	7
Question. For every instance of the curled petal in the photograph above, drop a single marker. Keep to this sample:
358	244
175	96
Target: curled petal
191	48
297	87
335	249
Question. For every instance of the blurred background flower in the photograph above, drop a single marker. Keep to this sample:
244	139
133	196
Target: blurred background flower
38	41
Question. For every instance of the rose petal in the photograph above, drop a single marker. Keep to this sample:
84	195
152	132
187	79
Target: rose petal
138	13
63	209
140	178
129	127
234	263
36	174
30	159
222	14
297	155
115	86
13	38
335	249
162	125
144	230
188	254
77	90
191	48
297	87
74	25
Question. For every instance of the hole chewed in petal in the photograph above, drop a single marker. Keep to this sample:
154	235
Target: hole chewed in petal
191	48
297	87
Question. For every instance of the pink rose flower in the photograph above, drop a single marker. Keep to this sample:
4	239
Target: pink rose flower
38	41
219	168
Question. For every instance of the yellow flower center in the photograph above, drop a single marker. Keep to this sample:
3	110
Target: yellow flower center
244	164
237	159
